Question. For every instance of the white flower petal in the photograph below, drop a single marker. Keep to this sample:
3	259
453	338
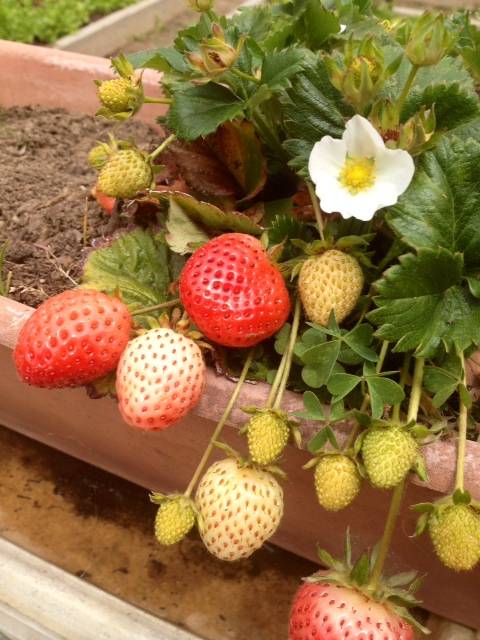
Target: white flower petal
362	139
327	155
396	167
342	28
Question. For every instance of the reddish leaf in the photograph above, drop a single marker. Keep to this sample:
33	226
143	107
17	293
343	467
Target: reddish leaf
226	164
238	147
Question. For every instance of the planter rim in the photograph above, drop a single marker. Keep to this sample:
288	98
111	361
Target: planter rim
439	456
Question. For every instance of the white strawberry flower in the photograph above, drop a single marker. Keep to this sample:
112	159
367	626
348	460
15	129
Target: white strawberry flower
357	175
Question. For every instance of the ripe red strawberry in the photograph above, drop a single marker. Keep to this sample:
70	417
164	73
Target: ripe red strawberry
326	611
73	338
106	202
160	378
233	293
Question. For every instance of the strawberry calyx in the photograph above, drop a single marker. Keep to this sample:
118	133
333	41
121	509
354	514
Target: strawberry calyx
245	462
430	510
397	592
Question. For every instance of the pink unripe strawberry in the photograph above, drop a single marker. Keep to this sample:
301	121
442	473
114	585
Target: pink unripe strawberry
160	378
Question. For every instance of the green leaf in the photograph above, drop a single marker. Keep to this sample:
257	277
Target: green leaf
474	285
313	406
322	359
359	340
341	384
200	110
209	215
454	105
312	109
318	441
320	24
443	380
135	267
440	209
163	59
421	304
383	391
282	338
280	66
183	235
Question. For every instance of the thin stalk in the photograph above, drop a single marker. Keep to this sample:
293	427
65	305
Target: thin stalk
148	100
316	208
288	359
163	146
155	307
244	76
221	423
462	438
395	504
408	85
397	495
277	381
403	379
366	400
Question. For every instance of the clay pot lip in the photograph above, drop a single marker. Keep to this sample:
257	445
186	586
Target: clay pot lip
41	67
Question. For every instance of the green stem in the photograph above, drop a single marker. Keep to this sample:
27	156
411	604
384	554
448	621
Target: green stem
267	132
221	423
403	379
397	496
408	85
395	504
316	208
155	307
462	438
288	359
366	400
244	76
148	100
277	381
163	146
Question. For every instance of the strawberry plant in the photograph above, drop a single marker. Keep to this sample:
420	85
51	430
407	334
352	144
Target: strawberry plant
311	218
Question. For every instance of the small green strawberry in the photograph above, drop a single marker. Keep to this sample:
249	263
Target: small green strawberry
455	533
125	174
175	518
388	455
337	481
332	281
99	155
121	97
267	432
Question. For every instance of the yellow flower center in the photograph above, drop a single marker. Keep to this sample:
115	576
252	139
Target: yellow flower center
357	174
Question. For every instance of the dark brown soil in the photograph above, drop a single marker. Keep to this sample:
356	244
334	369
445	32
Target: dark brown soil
45	183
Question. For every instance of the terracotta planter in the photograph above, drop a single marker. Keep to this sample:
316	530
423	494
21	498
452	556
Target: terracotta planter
93	430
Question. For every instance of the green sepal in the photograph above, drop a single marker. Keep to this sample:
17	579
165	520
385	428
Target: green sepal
461	497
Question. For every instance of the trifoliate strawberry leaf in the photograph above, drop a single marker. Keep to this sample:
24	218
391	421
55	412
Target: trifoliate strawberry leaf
313	407
359	340
183	235
440	208
443	380
383	391
134	267
319	24
163	59
200	110
320	361
312	109
279	67
454	105
341	384
422	304
210	216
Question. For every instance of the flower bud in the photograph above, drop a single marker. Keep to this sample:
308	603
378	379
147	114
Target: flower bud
215	56
386	119
201	5
429	40
417	131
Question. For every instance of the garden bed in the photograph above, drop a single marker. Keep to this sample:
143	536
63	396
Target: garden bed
50	228
94	431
